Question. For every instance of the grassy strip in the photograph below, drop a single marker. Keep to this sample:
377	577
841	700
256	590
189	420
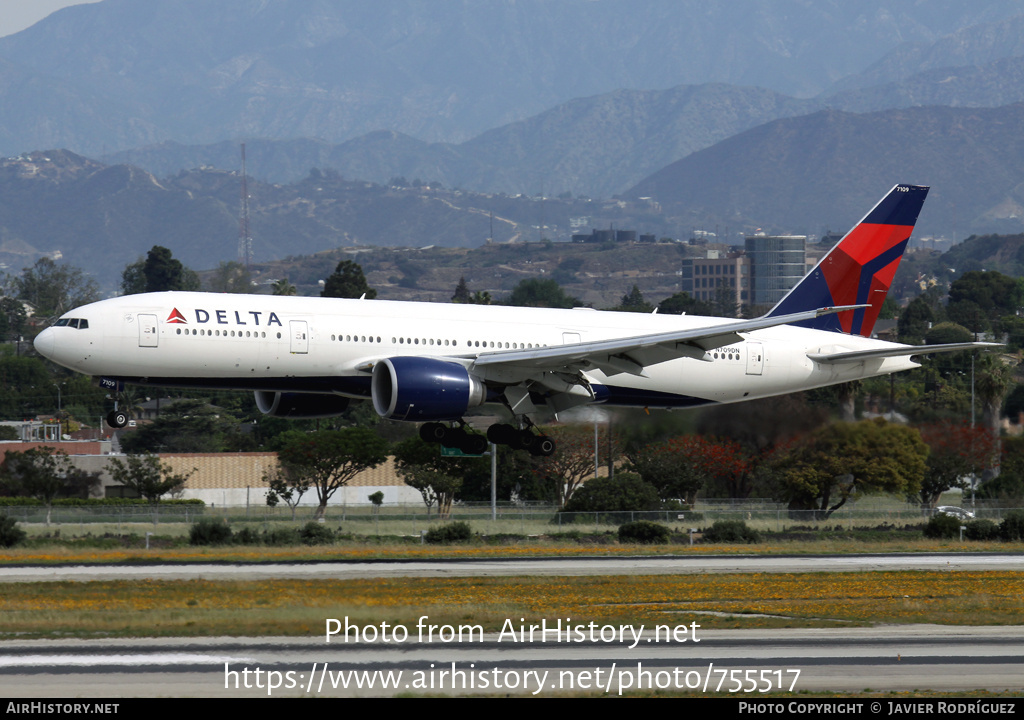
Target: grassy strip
131	549
301	607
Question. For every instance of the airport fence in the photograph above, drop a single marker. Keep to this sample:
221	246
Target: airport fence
508	517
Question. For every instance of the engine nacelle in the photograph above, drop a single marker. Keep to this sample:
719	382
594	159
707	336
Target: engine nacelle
416	389
300	406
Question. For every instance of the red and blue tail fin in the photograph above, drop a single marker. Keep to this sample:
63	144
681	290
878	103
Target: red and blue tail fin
860	268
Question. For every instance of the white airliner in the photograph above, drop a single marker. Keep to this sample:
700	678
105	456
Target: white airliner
433	363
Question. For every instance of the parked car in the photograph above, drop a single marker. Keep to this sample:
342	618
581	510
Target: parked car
954	511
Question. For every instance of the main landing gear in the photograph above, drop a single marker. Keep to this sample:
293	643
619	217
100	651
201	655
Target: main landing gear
521	439
456	436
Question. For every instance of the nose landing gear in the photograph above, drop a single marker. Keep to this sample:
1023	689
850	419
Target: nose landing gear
117	418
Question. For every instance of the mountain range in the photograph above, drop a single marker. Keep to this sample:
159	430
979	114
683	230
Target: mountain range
791	115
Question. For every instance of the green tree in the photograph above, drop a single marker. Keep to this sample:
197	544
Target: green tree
39	472
624	492
435	486
890	309
461	294
54	288
147	476
539	292
992	293
186	426
348	281
681	303
13	319
133	278
158	272
438	479
26	387
633	301
947	332
724	303
288	484
915	320
328	459
828	466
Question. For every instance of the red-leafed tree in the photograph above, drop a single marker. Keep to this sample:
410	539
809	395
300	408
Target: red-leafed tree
573	462
957	452
680	467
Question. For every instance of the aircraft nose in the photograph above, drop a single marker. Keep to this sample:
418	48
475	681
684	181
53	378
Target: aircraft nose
44	343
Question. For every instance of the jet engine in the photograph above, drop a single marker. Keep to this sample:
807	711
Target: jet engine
417	389
300	405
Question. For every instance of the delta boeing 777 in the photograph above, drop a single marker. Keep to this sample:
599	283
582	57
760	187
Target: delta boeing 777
433	363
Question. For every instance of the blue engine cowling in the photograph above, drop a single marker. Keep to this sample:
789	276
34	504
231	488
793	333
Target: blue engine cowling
417	389
299	406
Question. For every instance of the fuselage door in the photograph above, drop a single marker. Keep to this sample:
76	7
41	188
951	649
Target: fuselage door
300	336
755	358
148	335
570	338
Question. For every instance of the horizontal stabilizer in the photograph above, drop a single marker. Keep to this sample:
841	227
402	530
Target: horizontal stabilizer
897	351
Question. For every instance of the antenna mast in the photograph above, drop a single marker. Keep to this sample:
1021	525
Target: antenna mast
244	238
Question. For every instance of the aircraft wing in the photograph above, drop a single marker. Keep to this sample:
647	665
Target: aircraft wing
898	351
632	354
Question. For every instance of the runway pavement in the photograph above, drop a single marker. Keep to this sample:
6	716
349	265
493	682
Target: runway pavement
730	662
643	565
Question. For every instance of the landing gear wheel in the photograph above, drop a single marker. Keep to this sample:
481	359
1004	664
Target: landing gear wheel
501	434
432	432
451	437
117	419
543	446
524	440
474	444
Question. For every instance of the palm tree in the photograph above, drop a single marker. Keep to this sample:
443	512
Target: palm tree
283	287
993	378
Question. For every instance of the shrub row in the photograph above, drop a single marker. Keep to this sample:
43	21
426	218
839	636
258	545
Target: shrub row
215	531
449	533
947	527
644	532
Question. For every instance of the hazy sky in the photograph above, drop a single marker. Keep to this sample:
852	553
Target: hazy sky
17	15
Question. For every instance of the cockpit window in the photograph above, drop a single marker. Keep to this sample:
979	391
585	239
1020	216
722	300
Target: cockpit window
79	323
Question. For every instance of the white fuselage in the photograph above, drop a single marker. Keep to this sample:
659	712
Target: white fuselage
327	345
